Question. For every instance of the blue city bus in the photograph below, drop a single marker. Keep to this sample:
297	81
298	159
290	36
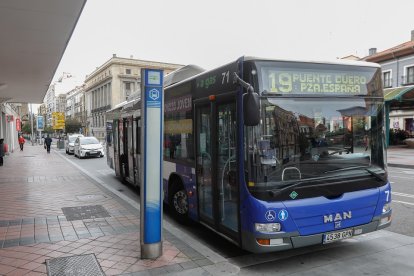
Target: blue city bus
273	154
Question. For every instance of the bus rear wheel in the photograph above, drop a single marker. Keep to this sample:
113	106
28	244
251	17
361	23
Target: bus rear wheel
179	203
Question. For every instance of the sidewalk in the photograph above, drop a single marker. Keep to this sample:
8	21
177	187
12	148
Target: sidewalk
50	210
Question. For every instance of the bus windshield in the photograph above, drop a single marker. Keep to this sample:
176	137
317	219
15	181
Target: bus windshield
315	138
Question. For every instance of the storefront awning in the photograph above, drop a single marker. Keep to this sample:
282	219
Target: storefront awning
405	93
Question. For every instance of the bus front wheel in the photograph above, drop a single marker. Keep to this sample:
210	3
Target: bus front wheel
179	202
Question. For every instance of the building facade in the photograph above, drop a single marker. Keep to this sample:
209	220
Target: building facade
8	114
50	104
55	98
111	84
397	64
75	106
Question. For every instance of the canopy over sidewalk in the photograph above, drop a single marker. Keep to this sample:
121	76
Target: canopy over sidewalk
405	93
398	98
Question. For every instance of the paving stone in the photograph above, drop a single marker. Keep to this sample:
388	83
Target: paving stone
10	243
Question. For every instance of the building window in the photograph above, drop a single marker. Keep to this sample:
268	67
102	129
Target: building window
387	79
410	75
128	71
127	89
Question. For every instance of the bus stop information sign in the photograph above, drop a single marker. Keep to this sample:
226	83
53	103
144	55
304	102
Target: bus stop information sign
151	162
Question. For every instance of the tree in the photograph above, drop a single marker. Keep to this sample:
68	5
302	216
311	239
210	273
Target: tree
48	129
26	128
72	125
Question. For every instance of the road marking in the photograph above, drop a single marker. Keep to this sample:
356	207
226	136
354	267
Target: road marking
401	176
409	172
403	202
402	194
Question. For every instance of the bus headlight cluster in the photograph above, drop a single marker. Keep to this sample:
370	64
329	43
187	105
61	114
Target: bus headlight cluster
386	208
267	227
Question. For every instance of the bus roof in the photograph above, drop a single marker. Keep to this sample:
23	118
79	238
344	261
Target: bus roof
182	74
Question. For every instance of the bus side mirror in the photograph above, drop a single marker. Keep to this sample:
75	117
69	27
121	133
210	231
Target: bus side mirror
251	112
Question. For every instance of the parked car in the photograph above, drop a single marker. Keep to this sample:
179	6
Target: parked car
70	143
88	146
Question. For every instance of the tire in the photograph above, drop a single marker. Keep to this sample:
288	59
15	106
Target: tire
178	201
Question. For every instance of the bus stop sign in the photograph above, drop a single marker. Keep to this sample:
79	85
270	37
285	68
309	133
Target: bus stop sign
152	110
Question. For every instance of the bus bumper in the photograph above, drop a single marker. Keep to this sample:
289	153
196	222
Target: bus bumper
284	241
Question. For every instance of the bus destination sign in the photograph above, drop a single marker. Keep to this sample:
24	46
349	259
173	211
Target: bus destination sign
297	82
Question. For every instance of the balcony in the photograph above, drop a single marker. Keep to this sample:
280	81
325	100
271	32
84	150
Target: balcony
101	109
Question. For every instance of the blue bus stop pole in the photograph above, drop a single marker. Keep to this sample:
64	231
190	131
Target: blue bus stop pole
152	116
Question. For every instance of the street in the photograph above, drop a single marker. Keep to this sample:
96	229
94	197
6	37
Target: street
403	201
362	253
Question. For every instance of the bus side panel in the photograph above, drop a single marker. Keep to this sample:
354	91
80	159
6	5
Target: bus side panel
187	175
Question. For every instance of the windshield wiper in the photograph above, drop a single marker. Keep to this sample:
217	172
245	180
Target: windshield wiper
277	192
304	182
379	177
371	172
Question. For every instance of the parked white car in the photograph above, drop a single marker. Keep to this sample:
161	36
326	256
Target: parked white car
70	143
87	147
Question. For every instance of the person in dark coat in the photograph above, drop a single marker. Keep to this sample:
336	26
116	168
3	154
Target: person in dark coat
48	142
1	151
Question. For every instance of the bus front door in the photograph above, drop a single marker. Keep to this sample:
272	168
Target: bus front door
130	150
217	187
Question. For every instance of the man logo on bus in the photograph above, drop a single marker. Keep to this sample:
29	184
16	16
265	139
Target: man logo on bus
154	94
282	215
270	215
337	217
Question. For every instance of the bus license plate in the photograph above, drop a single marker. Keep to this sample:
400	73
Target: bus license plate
336	236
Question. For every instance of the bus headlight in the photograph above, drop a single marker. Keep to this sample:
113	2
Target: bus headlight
386	208
267	227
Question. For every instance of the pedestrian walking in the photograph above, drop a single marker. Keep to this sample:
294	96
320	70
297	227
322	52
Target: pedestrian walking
21	142
48	142
1	151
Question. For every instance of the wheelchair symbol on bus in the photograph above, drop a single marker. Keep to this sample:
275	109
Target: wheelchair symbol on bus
270	215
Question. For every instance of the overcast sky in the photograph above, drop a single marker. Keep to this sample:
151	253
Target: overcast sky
214	32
